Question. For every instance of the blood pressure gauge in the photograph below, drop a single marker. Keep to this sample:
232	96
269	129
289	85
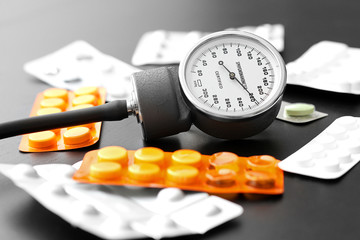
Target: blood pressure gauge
231	81
229	85
234	82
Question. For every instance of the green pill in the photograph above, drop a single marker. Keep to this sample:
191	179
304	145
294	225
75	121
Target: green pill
299	109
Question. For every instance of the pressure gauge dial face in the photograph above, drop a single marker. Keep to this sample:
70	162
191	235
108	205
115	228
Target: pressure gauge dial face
232	75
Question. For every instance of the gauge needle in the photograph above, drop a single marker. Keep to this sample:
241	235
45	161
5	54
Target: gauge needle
233	77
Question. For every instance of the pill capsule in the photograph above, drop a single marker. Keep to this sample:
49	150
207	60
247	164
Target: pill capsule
53	102
331	164
261	163
170	195
160	222
316	150
113	154
56	93
182	174
348	122
105	170
186	157
56	189
82	106
115	222
304	160
222	177
87	91
343	156
144	172
226	160
260	171
83	209
45	111
353	147
212	210
259	179
337	132
24	170
77	135
42	139
149	155
84	99
299	109
327	141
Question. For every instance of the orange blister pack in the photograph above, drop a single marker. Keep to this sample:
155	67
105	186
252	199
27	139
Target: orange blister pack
55	100
222	172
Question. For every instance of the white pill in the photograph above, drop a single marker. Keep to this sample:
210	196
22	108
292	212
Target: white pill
331	164
160	222
304	160
316	150
84	208
170	195
115	223
337	132
25	170
355	134
328	142
212	210
353	146
56	189
348	122
343	156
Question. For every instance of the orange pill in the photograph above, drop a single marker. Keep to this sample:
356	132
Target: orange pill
82	106
149	155
53	103
84	99
186	157
182	174
113	154
261	163
259	179
77	135
144	172
56	93
42	139
86	91
105	170
222	177
46	111
226	160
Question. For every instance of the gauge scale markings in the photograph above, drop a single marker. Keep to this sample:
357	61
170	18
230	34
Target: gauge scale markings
216	54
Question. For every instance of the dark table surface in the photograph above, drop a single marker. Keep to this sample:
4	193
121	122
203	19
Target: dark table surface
309	209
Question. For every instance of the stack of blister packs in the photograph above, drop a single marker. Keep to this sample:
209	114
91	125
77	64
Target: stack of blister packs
113	212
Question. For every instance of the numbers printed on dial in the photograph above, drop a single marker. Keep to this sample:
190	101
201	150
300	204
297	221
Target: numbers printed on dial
231	77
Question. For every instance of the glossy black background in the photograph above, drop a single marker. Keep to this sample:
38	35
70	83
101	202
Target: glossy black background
309	208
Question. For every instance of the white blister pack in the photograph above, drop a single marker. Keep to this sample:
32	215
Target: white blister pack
115	212
170	47
334	70
78	65
330	154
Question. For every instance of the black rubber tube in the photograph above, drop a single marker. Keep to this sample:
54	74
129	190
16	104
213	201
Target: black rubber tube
113	111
